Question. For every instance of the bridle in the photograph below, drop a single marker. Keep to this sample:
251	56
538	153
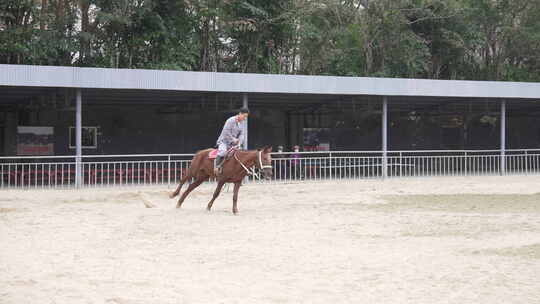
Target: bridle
252	170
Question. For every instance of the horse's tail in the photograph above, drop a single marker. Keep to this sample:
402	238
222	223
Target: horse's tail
189	174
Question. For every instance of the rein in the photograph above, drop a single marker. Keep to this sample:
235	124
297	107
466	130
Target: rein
252	170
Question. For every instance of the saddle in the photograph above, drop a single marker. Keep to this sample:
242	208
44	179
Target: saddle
213	154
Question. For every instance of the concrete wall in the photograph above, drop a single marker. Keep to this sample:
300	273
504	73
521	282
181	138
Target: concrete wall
9	130
147	129
141	129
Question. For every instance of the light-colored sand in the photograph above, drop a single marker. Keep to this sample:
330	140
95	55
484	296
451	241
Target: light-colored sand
440	240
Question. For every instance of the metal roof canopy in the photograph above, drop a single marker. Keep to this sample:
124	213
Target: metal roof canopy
43	96
103	78
125	85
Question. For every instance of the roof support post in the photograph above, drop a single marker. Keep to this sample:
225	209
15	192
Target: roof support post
78	140
384	137
502	162
245	101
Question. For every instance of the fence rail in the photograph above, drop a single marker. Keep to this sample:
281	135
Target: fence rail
112	170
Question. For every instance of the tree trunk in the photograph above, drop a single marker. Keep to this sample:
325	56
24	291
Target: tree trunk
205	45
84	51
43	15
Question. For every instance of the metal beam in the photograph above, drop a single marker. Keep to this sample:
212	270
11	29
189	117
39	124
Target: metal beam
385	137
503	138
78	140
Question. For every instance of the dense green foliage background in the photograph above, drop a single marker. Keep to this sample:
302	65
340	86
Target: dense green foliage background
437	39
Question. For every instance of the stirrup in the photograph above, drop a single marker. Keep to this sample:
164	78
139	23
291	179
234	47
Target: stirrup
218	168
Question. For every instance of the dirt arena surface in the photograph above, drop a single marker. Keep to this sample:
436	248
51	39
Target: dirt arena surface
418	240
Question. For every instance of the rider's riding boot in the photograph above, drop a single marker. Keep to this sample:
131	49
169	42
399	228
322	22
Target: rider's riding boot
218	162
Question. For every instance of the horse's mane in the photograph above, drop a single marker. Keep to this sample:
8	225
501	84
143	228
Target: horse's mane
204	150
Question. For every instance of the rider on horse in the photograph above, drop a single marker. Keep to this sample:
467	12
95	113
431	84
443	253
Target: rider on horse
232	136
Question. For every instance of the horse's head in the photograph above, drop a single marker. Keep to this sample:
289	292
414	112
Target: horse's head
264	162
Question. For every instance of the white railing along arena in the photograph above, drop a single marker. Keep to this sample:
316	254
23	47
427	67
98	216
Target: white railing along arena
147	169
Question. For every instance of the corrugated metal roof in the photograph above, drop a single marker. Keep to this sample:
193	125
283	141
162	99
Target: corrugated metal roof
73	77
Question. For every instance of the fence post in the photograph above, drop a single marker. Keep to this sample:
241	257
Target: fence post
400	164
526	162
169	170
466	169
331	167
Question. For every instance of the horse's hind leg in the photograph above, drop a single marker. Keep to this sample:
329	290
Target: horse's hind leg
216	194
192	186
182	182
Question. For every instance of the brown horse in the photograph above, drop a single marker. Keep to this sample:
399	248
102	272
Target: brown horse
236	167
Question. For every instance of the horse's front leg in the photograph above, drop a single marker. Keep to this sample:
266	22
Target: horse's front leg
216	194
235	197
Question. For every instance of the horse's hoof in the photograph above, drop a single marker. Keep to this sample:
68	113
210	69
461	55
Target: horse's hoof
178	206
208	209
235	212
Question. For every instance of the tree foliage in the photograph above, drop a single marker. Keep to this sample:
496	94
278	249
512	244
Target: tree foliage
437	39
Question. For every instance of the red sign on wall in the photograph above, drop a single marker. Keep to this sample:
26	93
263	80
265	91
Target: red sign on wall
35	141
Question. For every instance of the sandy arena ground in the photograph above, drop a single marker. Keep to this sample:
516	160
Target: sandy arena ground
436	240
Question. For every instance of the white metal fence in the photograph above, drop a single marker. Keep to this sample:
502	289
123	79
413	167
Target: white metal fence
111	170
